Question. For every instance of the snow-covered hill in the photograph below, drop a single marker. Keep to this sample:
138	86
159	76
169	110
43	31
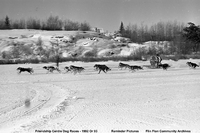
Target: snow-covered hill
24	43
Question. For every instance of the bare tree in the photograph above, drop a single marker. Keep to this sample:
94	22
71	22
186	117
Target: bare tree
39	47
56	50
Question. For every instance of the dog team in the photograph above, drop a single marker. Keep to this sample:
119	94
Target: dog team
98	67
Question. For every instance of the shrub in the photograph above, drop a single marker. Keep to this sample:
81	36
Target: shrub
196	56
6	62
175	57
39	47
18	50
138	54
35	60
6	55
26	50
15	52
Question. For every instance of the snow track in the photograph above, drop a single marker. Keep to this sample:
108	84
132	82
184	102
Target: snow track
48	98
147	99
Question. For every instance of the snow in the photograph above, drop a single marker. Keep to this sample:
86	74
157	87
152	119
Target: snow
149	99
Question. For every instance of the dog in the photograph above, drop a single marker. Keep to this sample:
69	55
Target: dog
76	69
67	69
192	65
122	65
22	69
100	68
164	66
51	69
133	68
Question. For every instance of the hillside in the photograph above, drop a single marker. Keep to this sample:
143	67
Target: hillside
39	44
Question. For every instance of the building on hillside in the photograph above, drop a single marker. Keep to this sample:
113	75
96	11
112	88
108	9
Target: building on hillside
99	30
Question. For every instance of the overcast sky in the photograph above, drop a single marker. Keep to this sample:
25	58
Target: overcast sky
106	14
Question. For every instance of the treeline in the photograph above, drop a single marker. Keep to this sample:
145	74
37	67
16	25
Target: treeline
184	38
161	31
51	23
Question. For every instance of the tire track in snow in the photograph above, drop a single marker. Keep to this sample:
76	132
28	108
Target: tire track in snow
36	103
44	105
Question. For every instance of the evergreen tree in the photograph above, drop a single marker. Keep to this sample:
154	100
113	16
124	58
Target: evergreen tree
121	29
192	34
7	23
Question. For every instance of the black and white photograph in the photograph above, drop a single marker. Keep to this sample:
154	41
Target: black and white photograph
99	66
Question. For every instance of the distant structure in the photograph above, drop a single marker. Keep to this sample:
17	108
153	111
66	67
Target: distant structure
99	30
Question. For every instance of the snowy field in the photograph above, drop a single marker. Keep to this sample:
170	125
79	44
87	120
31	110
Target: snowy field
149	99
